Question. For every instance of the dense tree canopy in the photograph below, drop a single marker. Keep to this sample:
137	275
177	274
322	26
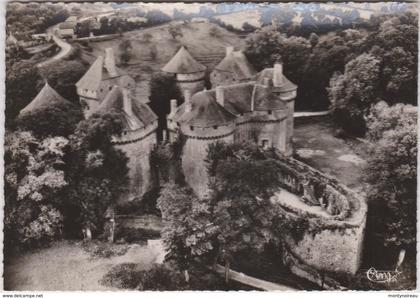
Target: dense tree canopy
55	120
23	83
392	170
96	171
63	76
34	181
236	214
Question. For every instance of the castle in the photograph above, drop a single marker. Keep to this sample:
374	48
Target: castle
243	105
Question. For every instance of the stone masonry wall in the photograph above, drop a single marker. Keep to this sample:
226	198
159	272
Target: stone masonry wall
137	146
334	243
195	152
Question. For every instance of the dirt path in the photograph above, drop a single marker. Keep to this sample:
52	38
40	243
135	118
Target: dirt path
66	266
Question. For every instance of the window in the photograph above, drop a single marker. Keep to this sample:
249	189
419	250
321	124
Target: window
215	127
110	87
192	127
264	144
269	112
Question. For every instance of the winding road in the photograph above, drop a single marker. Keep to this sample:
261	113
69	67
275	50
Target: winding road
65	47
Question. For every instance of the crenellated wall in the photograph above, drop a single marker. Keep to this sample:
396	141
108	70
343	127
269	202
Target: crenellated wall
137	145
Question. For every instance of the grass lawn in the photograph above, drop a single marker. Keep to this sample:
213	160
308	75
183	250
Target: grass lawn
316	145
73	265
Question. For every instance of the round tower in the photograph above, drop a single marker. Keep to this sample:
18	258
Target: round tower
189	73
203	120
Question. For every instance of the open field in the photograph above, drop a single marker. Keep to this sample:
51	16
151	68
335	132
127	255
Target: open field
316	145
154	47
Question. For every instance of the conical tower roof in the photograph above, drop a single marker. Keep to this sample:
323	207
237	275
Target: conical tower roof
236	63
137	115
205	111
183	63
47	97
101	69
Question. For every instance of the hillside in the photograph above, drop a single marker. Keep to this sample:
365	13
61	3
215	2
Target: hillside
205	41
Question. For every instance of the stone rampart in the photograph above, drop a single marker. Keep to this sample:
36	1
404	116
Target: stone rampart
335	219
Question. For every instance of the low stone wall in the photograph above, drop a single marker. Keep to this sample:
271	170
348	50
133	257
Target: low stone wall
330	243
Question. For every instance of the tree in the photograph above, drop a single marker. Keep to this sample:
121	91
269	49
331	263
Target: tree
236	215
54	120
155	17
163	88
34	181
352	93
313	39
63	76
174	31
97	172
19	94
391	172
126	49
247	27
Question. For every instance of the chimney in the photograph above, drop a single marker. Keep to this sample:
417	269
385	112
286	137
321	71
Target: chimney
127	104
267	82
109	62
220	96
278	74
187	99
173	106
229	50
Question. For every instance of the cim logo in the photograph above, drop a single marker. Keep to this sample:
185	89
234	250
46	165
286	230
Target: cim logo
382	276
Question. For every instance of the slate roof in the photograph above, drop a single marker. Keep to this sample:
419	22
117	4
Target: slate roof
183	63
236	63
142	114
47	97
238	100
268	73
95	75
205	111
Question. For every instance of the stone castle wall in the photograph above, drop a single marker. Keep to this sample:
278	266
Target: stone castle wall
261	127
137	145
195	152
193	82
330	243
91	99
